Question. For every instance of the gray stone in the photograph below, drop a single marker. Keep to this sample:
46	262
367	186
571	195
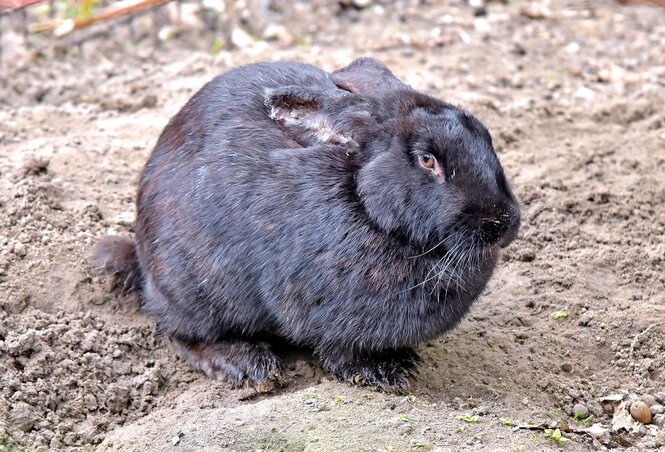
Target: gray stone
580	411
22	416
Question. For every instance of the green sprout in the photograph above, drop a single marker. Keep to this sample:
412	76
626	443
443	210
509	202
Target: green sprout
558	315
556	435
471	419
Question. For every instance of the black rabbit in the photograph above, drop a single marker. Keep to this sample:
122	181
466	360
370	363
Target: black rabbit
345	212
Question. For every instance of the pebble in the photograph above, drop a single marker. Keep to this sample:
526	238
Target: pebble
630	398
659	420
22	417
19	249
660	397
608	409
536	11
580	411
567	367
241	39
648	399
585	319
596	409
280	33
526	256
640	412
90	402
657	409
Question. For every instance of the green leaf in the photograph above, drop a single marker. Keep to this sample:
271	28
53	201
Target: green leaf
558	315
469	418
404	418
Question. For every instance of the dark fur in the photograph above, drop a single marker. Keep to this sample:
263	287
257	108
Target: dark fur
251	220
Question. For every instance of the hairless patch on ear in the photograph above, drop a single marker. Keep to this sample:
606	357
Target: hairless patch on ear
304	115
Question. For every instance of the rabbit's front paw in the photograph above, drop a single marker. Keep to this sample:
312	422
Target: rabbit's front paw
388	370
235	361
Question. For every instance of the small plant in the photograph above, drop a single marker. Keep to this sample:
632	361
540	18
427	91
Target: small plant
587	420
506	421
558	315
471	419
460	429
556	435
404	418
217	46
410	398
338	399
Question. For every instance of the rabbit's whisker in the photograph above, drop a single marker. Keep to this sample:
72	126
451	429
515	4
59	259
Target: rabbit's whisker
429	250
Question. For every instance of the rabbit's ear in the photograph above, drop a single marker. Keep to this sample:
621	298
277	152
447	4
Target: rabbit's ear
367	76
305	115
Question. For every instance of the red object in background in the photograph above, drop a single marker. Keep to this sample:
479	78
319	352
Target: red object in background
635	2
10	5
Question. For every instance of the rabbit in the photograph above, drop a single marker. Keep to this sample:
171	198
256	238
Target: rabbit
344	212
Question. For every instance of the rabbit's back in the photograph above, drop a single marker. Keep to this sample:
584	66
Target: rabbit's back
194	195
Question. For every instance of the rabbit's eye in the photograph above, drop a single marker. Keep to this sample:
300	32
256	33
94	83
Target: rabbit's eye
427	160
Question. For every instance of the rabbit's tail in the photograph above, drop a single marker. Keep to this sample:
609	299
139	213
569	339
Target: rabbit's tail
116	256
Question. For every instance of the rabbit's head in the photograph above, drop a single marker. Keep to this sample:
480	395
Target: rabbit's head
426	174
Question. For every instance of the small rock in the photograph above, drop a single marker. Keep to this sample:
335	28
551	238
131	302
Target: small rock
362	3
567	367
176	438
90	402
117	398
657	409
660	397
22	417
585	319
659	420
241	39
124	219
19	249
648	399
580	411
70	439
596	409
585	93
19	344
526	256
535	11
280	33
608	408
407	51
640	412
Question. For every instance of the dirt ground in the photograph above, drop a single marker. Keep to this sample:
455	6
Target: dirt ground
574	95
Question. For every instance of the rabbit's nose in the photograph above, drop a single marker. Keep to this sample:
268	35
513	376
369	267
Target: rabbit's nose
501	229
491	230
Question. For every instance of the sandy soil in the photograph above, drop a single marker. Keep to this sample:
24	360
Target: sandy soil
573	94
